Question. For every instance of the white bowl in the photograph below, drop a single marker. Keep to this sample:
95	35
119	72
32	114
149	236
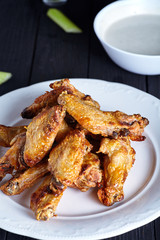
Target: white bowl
131	57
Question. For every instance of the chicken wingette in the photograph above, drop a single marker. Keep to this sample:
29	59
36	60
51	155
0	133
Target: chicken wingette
49	99
24	180
99	122
41	133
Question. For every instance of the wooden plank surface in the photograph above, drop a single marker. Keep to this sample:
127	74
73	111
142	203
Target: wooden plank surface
18	24
59	54
154	85
3	234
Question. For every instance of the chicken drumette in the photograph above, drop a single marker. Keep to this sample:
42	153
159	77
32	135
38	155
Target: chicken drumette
119	157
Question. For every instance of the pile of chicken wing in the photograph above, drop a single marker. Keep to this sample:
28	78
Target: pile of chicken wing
69	142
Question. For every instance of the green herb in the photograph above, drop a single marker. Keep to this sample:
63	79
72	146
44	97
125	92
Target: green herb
4	76
63	21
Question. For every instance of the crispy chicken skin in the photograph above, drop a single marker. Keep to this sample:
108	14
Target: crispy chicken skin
7	133
65	85
13	158
135	123
41	134
90	173
49	99
118	160
44	201
66	158
24	180
98	122
63	131
90	101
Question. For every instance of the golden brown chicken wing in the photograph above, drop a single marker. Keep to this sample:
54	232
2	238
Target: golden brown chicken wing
98	122
66	158
90	173
13	158
44	201
118	160
25	180
41	133
7	133
49	99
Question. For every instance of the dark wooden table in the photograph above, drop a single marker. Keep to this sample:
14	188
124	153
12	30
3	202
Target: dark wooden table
34	49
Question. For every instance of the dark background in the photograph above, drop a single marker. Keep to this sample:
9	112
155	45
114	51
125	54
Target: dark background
34	49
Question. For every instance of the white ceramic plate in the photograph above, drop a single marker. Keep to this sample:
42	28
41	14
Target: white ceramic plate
81	215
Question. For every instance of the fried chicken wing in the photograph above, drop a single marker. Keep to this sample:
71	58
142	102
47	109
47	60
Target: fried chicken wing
44	201
7	133
99	122
118	160
90	173
13	158
41	133
49	99
24	180
66	158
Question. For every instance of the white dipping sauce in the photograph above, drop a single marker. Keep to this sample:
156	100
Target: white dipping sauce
137	34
